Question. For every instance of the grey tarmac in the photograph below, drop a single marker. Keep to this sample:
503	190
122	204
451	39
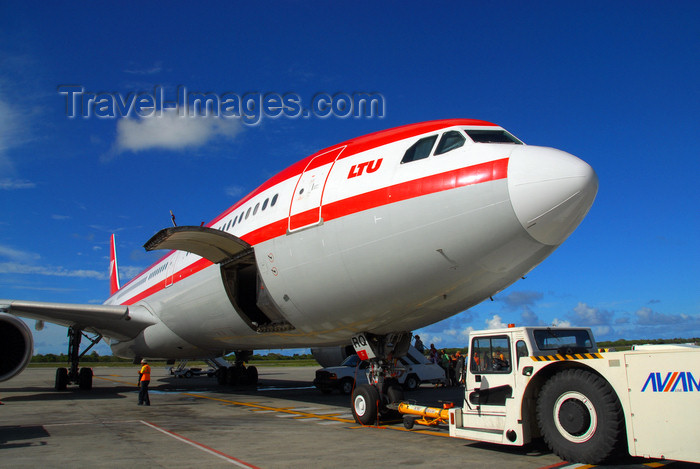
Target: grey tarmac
282	423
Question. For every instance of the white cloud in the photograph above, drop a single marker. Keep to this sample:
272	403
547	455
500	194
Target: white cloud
171	131
495	323
8	126
587	316
560	323
14	132
127	272
648	317
17	255
234	191
9	184
461	335
18	268
156	68
519	299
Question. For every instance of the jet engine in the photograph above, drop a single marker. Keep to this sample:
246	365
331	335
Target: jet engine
16	346
332	356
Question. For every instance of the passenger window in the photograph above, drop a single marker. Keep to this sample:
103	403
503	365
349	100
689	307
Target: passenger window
265	204
274	201
521	349
490	355
449	141
255	210
247	213
419	150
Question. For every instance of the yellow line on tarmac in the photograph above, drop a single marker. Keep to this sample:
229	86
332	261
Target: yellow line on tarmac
299	414
276	409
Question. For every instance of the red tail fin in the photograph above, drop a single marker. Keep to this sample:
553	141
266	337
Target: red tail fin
113	272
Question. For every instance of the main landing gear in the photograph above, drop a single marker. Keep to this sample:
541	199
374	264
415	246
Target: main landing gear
238	374
376	400
82	376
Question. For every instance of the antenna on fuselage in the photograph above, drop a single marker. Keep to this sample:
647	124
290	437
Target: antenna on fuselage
172	217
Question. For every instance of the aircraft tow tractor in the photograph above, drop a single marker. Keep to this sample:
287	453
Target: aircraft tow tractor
525	382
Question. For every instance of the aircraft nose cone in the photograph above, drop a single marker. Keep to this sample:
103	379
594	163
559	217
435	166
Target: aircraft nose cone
551	192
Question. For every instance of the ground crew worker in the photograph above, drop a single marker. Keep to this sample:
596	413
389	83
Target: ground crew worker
419	344
144	381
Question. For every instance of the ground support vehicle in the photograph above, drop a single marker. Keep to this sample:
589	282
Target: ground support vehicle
410	371
183	371
527	382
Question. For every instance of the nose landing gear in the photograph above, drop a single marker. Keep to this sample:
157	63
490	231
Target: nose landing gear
381	396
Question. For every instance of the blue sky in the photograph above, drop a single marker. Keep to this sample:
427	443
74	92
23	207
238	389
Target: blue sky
615	83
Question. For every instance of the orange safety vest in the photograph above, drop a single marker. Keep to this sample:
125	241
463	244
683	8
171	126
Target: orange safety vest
145	373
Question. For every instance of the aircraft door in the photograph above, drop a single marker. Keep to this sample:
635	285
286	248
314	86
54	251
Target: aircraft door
305	209
172	268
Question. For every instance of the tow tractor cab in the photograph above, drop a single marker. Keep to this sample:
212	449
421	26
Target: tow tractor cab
526	382
494	375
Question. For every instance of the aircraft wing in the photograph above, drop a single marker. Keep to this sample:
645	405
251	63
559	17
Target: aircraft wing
120	322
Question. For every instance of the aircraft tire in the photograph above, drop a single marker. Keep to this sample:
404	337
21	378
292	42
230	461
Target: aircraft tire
252	375
61	379
85	378
580	416
233	376
365	400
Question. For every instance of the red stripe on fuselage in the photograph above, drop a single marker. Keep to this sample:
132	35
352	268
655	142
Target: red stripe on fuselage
477	174
353	147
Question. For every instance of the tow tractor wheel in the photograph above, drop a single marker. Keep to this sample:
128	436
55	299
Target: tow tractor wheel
580	416
61	379
85	378
364	404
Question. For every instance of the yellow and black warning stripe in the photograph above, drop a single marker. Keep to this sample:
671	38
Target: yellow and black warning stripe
575	356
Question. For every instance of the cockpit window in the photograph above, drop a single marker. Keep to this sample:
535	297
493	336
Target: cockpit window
449	141
492	136
420	149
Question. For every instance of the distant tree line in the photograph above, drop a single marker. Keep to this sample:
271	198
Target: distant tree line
90	357
623	344
279	356
619	345
95	357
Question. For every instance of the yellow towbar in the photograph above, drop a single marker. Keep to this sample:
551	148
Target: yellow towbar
422	415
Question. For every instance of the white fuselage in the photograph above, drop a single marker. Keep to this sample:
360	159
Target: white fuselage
357	241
